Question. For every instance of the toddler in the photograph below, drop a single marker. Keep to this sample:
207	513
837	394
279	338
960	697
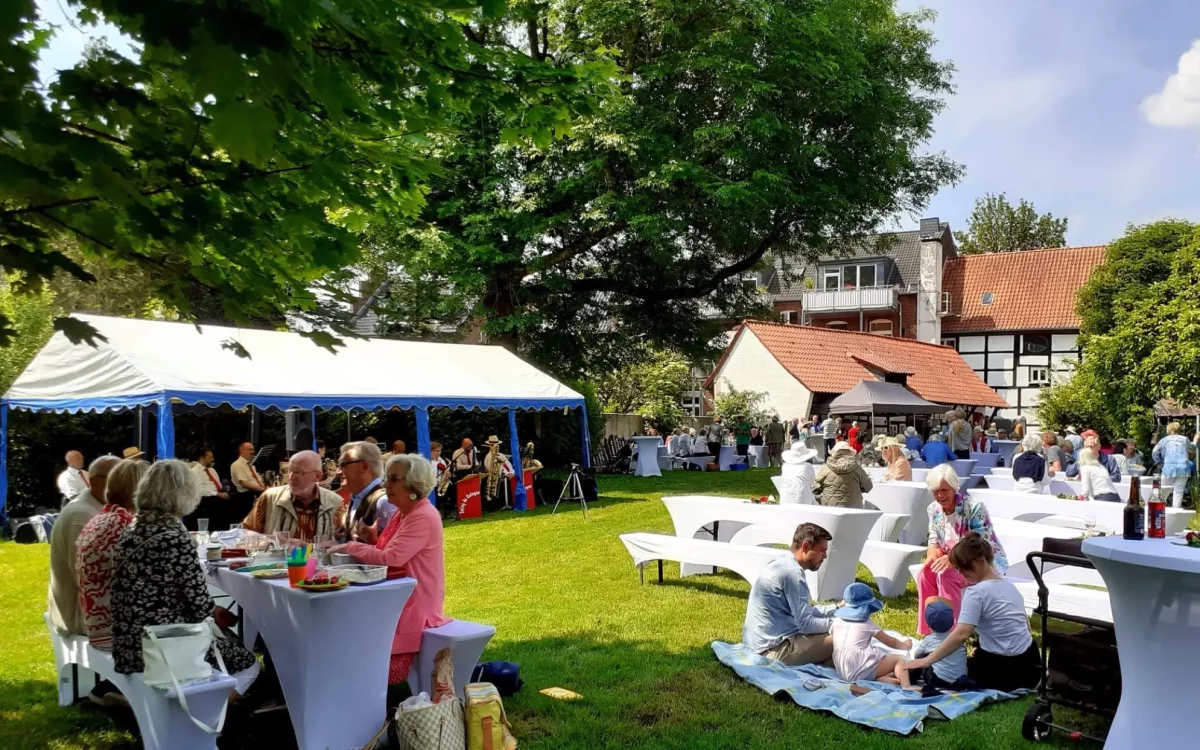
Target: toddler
948	674
854	654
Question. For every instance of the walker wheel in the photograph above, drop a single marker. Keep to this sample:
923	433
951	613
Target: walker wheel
1035	727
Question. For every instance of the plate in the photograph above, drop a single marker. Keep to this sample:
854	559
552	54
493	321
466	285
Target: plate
270	573
1183	543
323	586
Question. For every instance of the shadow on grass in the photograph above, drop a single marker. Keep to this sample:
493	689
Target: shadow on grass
32	718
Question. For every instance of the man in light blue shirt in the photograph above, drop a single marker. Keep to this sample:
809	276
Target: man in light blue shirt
362	472
781	621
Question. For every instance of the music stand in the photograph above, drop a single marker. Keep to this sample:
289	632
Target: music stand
573	490
264	453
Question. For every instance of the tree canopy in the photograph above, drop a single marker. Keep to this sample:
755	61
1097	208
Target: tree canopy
997	226
740	133
652	384
249	144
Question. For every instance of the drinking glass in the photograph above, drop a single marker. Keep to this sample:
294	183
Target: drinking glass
1089	523
235	526
202	525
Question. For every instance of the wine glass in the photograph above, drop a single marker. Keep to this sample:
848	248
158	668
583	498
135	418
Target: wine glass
1089	524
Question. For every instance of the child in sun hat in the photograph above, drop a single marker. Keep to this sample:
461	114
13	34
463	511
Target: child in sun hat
951	672
854	653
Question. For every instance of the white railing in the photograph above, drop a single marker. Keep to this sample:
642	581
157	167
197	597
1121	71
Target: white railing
870	298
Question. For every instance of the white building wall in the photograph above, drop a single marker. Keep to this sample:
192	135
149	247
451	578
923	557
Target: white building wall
751	367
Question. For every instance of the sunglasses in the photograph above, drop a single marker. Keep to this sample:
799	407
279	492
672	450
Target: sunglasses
344	464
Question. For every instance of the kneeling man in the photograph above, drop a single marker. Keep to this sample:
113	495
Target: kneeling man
781	621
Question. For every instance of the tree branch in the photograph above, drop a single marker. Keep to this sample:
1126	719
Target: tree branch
95	133
531	29
571	249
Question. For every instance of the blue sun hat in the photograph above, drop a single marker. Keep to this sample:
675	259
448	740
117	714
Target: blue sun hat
860	603
939	617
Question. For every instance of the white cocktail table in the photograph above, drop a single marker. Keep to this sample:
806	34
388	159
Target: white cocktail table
647	458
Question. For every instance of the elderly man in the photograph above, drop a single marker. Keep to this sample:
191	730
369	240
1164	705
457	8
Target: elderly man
242	473
212	494
936	452
1073	437
73	480
1106	460
362	474
781	622
65	613
303	509
1051	452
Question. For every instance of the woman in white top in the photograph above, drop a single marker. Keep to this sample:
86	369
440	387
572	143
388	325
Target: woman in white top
1007	658
1097	484
797	475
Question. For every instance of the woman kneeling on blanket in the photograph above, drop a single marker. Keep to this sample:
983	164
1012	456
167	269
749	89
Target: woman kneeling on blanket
1007	658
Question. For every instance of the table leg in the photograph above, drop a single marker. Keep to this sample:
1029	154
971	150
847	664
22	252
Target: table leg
660	577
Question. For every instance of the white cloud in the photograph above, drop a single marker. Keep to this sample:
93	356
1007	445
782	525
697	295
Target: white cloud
1178	104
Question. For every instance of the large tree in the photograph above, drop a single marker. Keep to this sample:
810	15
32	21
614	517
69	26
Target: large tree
248	144
742	131
997	226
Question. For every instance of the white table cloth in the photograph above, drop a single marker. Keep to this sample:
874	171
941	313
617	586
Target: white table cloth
331	650
664	458
904	498
758	457
741	522
1019	538
1061	483
963	467
1154	586
647	457
728	457
1007	450
1023	506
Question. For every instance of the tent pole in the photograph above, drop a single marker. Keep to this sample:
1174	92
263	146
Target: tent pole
423	448
166	430
519	499
586	437
3	461
348	438
255	426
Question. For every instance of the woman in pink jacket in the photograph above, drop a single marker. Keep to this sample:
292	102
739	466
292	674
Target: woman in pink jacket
410	545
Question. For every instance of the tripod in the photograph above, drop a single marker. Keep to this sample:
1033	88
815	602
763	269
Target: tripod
573	490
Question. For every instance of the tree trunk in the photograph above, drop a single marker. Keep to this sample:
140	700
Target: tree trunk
500	303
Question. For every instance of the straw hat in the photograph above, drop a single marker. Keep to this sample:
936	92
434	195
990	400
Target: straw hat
798	454
132	452
841	446
891	442
493	440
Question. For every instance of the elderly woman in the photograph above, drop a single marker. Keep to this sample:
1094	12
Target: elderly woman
1172	453
912	440
797	475
898	468
157	578
841	482
1097	482
98	544
1030	471
410	545
951	517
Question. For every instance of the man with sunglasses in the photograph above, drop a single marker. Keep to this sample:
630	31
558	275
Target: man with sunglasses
302	508
361	465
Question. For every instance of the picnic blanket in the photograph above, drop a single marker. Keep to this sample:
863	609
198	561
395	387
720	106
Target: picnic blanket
886	707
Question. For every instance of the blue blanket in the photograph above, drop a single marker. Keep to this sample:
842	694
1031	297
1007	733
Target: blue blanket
886	707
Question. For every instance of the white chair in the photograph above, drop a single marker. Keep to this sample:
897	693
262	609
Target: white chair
889	562
161	720
466	640
888	527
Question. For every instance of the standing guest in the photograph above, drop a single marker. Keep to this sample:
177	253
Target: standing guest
1173	453
321	449
362	475
464	459
775	437
981	442
936	452
1051	452
959	438
302	508
1007	658
797	475
63	605
952	516
716	435
742	435
912	440
829	430
794	430
853	438
1097	484
157	578
97	546
1073	437
73	479
1018	430
241	472
898	467
781	621
841	482
212	494
409	545
399	448
755	438
1030	471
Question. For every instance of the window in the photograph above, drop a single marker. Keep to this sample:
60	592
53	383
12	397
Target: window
1035	344
840	325
750	282
852	276
691	403
987	298
880	327
944	306
1039	376
833	278
788	316
866	276
952	343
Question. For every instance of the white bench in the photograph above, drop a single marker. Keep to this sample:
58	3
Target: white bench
985	462
889	563
700	462
906	498
1024	506
744	559
161	720
889	527
1063	597
466	640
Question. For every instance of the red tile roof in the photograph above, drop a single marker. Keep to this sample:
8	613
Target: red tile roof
1031	289
830	361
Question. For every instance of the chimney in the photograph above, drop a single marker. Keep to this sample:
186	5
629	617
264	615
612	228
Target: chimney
929	288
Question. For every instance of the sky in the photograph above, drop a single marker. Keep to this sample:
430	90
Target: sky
1088	108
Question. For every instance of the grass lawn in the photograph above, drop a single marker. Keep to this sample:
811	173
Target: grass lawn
568	607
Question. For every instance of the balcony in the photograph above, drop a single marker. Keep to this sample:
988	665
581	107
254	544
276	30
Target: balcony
849	300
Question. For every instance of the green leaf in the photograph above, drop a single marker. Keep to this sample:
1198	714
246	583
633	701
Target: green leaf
247	132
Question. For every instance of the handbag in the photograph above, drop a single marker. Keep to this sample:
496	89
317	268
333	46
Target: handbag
439	726
176	653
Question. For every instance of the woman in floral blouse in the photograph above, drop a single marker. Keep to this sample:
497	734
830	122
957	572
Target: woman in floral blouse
157	578
951	517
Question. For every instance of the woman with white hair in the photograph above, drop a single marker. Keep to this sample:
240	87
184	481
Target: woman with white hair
1030	471
1097	484
952	516
410	545
913	441
157	578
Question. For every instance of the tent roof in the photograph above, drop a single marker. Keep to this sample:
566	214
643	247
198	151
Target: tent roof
145	361
882	398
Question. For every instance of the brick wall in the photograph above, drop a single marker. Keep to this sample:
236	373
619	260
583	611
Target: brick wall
908	314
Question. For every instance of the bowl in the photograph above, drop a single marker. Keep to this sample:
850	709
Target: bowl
359	574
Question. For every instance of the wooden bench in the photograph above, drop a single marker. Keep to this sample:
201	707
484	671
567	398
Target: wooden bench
161	720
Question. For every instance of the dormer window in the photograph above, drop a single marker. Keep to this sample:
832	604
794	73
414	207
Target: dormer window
853	276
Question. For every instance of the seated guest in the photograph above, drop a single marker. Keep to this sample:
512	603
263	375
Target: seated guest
781	621
362	476
1007	658
755	438
1118	454
912	440
981	442
1067	450
898	467
63	604
1030	471
936	452
699	441
410	545
841	482
1133	456
798	475
1096	480
951	516
303	509
1108	462
951	671
157	577
1051	452
97	546
1001	435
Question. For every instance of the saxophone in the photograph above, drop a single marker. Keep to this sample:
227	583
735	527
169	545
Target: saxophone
493	473
444	482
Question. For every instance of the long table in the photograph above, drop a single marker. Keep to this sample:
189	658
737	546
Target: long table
1025	506
730	517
